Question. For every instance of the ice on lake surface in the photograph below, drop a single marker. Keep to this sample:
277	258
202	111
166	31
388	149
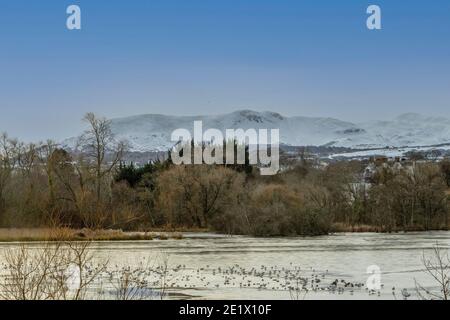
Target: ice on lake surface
210	266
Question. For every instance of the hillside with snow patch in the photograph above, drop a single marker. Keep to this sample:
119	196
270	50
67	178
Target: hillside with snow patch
152	132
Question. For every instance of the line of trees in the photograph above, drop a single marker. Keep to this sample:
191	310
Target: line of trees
90	186
304	200
41	184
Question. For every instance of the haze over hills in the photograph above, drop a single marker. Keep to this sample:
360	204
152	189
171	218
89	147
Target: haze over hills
152	132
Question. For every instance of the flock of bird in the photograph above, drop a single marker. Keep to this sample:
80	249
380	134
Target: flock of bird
295	281
290	279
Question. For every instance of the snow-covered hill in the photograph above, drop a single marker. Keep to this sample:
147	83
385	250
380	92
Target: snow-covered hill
151	132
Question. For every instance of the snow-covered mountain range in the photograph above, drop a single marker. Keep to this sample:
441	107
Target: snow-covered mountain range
152	132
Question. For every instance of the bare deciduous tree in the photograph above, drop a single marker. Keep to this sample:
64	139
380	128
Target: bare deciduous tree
58	271
103	153
144	282
8	159
97	142
437	267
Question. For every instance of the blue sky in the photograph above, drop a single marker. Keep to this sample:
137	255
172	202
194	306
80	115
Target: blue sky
311	58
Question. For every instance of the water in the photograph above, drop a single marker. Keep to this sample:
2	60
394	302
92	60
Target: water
264	268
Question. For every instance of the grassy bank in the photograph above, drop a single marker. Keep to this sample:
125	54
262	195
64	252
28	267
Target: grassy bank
66	234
